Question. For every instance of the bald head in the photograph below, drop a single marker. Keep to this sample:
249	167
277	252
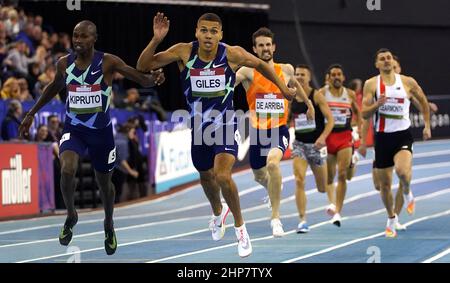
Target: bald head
84	37
88	26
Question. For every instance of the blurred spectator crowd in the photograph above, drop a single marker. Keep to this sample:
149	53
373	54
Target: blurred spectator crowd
29	50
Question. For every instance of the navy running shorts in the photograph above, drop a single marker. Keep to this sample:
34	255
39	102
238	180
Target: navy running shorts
205	145
98	142
262	141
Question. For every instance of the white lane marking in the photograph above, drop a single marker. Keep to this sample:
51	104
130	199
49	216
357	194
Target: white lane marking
438	256
357	197
291	198
203	204
436	215
318	225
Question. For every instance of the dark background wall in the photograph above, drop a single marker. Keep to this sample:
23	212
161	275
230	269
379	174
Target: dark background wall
345	31
342	31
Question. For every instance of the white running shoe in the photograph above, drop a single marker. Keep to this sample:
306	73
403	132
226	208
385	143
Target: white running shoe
400	227
244	244
336	220
391	224
217	223
331	209
277	227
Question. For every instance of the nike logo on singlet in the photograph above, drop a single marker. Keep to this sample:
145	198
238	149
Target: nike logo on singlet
217	66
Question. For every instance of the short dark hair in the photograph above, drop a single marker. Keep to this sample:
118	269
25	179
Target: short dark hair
303	66
381	50
335	66
266	32
210	17
52	116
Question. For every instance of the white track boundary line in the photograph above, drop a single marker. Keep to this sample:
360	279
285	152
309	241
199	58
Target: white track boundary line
288	199
203	204
354	198
316	226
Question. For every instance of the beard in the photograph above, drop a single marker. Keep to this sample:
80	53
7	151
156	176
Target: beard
337	83
266	57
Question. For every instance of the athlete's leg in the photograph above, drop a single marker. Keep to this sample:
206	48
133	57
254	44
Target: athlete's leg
69	165
385	182
375	178
351	172
399	199
212	190
320	175
203	160
223	164
107	194
343	161
403	167
331	172
300	165
274	183
261	176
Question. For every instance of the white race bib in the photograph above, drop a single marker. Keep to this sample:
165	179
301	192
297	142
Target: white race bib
340	116
269	103
394	108
303	125
84	99
208	82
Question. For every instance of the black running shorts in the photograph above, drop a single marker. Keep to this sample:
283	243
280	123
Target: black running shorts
388	144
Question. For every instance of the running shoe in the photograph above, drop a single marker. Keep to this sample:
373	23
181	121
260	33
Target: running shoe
244	244
390	228
277	227
217	223
65	236
110	241
410	204
331	209
302	227
400	227
336	220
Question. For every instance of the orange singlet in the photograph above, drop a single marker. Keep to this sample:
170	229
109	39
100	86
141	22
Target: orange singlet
268	107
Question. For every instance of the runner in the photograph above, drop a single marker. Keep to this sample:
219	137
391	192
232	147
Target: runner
208	76
342	102
309	145
269	111
87	75
387	96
